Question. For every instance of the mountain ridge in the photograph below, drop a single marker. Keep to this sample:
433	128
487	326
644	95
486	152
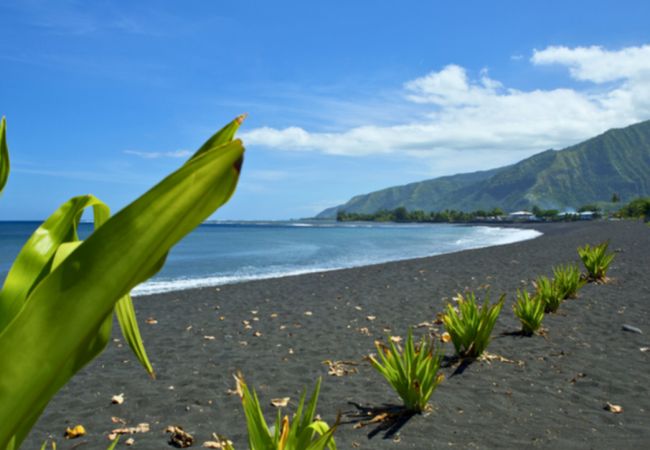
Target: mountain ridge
616	161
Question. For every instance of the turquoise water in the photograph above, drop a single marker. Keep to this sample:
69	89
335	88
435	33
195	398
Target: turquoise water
224	253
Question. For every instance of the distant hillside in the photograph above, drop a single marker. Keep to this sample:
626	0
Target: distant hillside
617	161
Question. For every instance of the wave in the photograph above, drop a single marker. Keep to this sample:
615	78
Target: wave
481	236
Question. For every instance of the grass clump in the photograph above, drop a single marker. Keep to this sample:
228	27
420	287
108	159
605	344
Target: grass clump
412	372
304	432
469	326
596	261
567	280
547	292
529	311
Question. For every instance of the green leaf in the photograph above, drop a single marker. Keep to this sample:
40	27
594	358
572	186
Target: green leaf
129	326
62	314
114	443
223	136
4	155
34	261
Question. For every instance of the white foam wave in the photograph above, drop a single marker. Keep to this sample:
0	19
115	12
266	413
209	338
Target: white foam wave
480	238
181	284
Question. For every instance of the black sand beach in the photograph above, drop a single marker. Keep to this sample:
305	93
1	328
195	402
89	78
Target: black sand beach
551	395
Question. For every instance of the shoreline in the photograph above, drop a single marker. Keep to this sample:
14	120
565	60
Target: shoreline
154	287
551	396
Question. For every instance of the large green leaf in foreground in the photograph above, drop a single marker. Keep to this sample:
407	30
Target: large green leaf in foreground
55	330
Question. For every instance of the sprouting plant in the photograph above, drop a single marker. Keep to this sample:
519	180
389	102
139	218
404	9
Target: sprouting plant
304	432
57	302
567	280
546	290
529	311
596	261
412	372
470	327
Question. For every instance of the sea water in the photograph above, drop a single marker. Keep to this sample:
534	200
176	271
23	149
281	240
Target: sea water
221	253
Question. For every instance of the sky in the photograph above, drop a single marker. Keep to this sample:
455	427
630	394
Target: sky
343	98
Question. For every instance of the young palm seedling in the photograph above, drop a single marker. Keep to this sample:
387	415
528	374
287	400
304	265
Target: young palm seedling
596	260
303	433
412	372
529	311
470	327
567	280
547	292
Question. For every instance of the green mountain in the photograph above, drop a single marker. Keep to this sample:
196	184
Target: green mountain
617	161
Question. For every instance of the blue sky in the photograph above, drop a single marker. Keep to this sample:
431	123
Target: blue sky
107	97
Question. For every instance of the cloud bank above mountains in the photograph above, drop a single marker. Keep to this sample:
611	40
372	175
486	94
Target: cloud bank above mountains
479	121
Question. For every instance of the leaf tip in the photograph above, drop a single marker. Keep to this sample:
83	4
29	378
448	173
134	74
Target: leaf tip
240	119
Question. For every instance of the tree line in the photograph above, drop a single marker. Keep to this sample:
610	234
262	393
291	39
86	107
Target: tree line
637	208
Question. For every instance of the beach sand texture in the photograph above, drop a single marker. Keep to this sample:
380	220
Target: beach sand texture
552	394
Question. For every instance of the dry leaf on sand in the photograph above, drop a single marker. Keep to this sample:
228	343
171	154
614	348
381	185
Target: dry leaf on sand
340	368
616	409
141	428
179	438
74	432
280	402
218	442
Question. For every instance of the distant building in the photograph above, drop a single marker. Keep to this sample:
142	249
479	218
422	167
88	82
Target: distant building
522	216
587	215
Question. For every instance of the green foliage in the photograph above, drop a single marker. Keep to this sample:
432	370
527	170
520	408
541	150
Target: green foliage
548	214
529	311
470	327
59	295
637	208
401	214
597	210
616	161
548	293
567	280
596	260
412	372
304	433
4	154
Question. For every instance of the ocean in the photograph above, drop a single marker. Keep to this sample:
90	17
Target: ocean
222	253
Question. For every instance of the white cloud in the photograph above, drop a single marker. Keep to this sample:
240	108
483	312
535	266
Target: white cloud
157	155
451	87
597	64
470	124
